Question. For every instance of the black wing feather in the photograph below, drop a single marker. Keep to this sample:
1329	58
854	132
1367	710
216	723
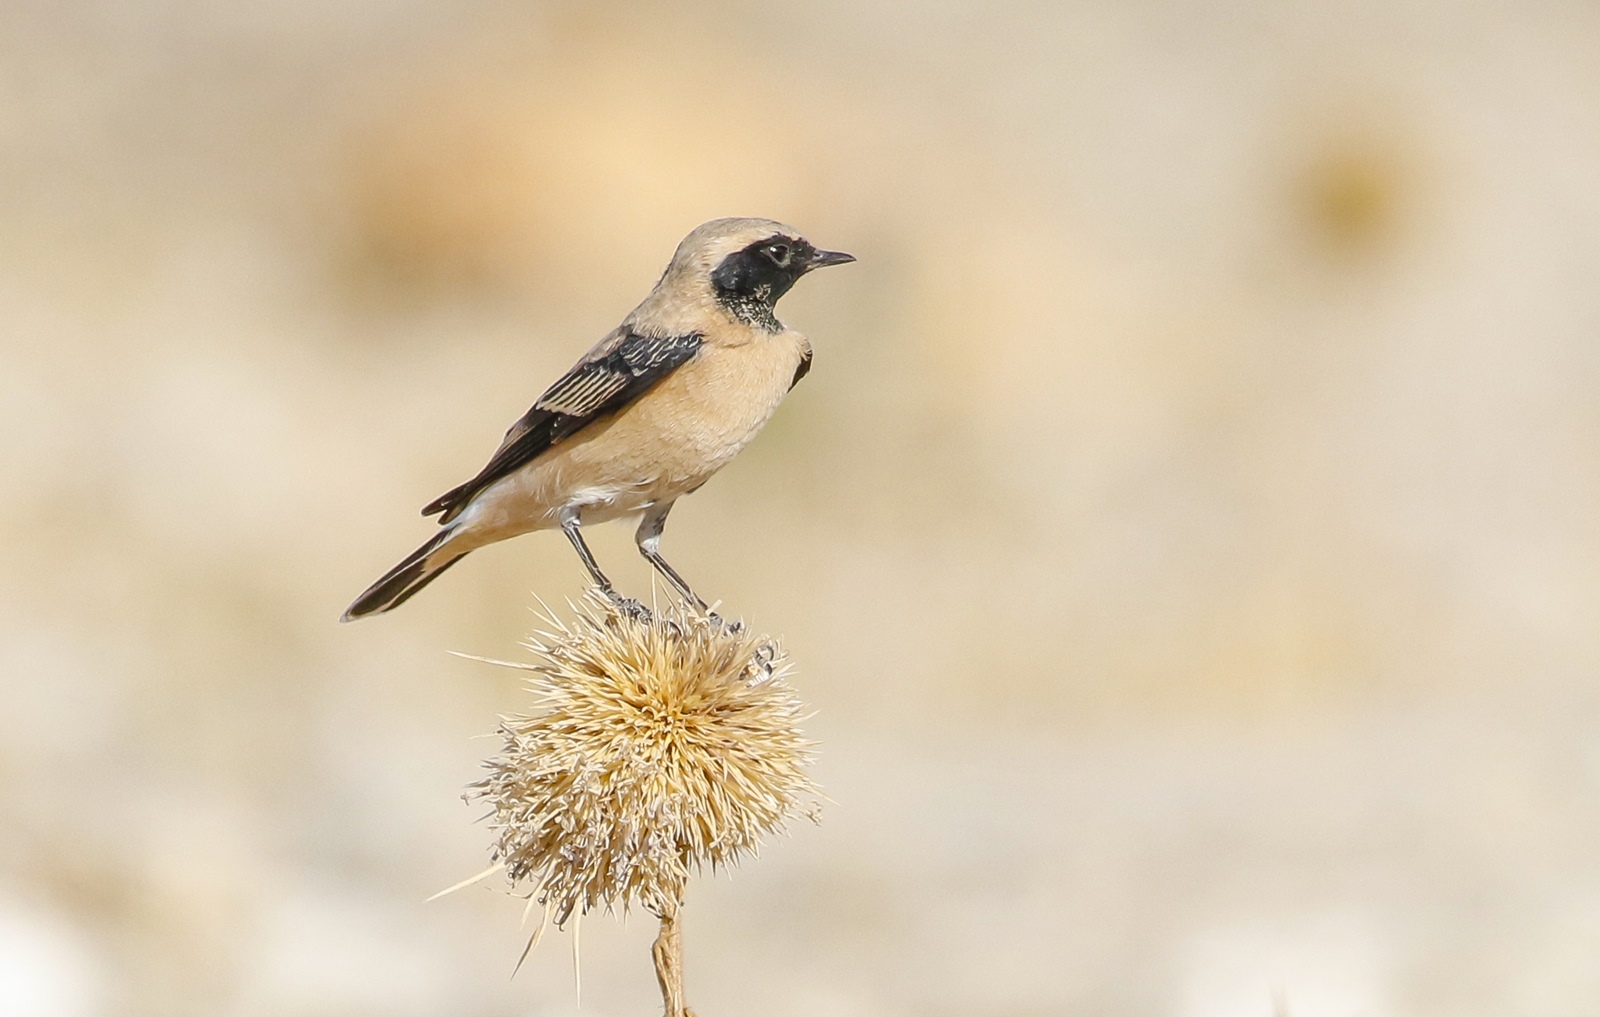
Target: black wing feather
803	369
599	387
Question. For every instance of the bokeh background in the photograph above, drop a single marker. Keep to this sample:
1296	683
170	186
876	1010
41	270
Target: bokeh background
1188	534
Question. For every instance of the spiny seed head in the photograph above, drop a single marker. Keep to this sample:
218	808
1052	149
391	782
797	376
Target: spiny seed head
662	745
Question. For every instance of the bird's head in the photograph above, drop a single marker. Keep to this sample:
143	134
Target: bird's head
747	264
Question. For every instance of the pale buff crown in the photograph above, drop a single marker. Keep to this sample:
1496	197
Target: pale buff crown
683	300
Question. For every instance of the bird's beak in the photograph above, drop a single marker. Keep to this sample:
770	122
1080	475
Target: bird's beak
822	259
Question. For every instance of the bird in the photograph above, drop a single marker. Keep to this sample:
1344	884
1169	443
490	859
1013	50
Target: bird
655	408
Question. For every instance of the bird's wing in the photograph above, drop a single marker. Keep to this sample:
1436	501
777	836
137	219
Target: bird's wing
619	370
803	368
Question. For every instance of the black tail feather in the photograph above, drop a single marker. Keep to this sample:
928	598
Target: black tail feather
449	500
402	582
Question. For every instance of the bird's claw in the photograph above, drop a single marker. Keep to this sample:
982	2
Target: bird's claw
730	627
630	607
762	664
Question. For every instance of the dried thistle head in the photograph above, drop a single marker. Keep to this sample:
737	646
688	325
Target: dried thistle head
663	745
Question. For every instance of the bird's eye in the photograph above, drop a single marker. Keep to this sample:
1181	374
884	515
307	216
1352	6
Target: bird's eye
779	253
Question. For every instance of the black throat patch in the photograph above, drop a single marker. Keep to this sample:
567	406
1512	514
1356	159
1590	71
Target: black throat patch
750	281
753	311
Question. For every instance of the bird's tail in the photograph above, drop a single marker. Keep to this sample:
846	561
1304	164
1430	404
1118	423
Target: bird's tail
400	583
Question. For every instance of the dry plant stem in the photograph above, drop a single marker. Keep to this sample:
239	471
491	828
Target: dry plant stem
668	955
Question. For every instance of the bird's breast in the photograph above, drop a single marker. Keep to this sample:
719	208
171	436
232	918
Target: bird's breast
706	411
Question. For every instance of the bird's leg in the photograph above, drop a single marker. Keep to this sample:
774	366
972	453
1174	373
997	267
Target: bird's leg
648	537
629	606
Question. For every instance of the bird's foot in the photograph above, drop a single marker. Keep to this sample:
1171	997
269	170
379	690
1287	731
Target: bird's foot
763	662
733	628
628	606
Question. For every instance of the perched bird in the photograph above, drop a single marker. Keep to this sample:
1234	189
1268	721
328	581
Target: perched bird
647	416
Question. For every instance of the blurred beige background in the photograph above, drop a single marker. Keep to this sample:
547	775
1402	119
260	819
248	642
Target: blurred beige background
1188	534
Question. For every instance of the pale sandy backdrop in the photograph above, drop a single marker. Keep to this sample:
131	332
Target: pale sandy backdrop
1188	534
